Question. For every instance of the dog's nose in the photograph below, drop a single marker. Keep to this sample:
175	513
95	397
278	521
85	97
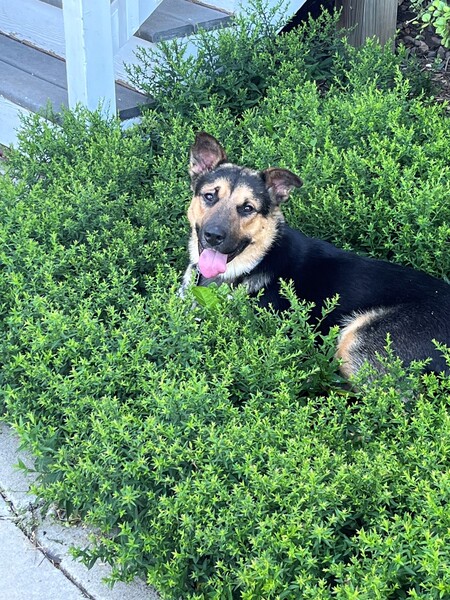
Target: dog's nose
214	235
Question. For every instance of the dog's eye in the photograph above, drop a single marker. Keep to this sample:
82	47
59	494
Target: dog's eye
209	197
246	209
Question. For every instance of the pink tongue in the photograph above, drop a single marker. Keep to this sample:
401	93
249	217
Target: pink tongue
211	263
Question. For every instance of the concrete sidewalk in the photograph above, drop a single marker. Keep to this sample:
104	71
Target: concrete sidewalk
35	563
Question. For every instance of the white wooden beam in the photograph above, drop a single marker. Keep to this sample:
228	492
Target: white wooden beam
42	25
127	16
89	54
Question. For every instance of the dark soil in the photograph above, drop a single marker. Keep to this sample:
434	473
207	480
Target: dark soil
433	57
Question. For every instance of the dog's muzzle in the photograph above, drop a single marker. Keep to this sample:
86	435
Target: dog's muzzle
213	259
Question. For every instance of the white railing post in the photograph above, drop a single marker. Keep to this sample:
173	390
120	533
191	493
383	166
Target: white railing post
89	54
127	16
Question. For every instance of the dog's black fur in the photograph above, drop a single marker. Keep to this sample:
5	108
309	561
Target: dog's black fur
414	307
376	298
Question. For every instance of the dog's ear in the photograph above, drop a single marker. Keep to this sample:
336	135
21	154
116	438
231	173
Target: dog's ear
206	154
280	182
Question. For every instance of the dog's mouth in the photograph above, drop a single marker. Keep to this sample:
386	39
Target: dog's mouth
212	263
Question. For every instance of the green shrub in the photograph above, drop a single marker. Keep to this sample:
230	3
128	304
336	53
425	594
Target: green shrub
229	63
374	165
213	446
235	65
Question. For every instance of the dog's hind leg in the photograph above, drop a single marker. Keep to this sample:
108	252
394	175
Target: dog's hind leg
353	349
412	330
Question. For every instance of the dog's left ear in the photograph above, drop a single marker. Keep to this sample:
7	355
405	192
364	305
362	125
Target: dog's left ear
206	153
280	182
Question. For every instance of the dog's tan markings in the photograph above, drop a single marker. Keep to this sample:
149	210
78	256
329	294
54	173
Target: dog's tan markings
243	194
221	185
196	212
259	229
193	248
262	232
197	209
347	348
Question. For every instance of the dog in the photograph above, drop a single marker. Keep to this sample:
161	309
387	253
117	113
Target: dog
239	236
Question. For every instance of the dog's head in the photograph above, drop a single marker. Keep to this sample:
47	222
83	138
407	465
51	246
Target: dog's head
235	211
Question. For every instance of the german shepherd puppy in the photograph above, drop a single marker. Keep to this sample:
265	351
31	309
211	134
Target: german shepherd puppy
239	236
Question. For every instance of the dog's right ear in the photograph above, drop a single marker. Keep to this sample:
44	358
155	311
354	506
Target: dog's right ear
206	153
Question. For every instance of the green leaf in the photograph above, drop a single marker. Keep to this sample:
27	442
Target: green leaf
23	467
207	297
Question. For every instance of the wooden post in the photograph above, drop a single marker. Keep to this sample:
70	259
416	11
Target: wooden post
89	54
369	18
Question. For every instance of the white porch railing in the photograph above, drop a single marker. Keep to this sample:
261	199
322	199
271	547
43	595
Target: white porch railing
95	37
126	18
93	32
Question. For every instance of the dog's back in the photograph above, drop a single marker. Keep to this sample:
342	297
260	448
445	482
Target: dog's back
376	298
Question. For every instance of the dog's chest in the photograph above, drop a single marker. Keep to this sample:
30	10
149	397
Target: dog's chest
253	282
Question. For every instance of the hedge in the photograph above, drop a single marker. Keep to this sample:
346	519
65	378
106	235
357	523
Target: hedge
213	446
